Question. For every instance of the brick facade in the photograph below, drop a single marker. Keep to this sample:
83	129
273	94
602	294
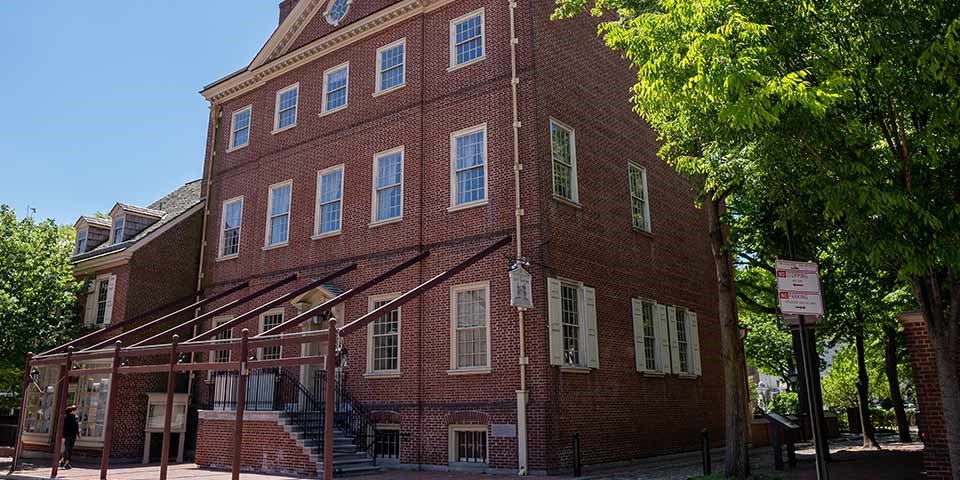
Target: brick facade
619	413
936	457
285	456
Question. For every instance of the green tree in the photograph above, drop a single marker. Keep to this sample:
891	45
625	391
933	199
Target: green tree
38	292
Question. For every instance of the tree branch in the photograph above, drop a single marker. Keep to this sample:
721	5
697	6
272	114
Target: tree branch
756	306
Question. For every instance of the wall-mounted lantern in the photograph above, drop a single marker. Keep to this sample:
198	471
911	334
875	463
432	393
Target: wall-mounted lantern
521	287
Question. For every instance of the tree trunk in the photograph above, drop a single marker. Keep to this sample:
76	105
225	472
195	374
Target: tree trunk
893	378
863	400
736	457
943	328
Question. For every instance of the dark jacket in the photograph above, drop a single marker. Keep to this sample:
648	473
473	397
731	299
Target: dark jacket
70	426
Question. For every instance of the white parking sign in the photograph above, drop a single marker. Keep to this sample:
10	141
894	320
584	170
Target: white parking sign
798	285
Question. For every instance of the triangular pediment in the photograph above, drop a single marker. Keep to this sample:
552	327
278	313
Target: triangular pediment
286	35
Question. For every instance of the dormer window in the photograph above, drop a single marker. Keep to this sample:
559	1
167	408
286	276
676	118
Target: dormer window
118	230
336	10
81	242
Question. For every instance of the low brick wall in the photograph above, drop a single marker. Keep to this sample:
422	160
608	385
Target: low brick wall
267	446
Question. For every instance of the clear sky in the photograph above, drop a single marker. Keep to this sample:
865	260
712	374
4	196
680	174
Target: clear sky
99	97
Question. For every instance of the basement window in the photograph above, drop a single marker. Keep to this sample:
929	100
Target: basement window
468	445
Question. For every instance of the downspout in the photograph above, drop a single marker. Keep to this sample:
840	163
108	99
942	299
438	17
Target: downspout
215	115
518	238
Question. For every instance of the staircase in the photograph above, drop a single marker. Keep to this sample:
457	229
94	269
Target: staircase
353	452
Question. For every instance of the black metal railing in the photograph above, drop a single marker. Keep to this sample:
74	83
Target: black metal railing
267	389
349	415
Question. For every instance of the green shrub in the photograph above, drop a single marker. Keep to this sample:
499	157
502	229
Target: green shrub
787	403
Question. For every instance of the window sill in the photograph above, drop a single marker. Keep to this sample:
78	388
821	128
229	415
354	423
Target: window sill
469	371
687	376
378	375
652	373
283	129
238	147
275	246
467	63
335	110
578	370
227	257
388	90
318	236
641	231
465	206
567	201
386	222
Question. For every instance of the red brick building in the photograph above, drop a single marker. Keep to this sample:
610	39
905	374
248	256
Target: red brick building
139	262
365	132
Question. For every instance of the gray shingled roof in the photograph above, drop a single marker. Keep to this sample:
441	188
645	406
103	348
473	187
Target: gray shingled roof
168	208
149	212
100	222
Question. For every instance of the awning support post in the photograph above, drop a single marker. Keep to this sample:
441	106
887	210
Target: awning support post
63	383
328	410
241	402
111	411
168	409
18	445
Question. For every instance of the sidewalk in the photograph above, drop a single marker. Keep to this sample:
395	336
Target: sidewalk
897	461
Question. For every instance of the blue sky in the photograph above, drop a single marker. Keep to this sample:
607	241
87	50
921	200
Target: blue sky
100	99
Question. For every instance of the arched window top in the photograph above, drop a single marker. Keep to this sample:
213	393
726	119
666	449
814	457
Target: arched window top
336	11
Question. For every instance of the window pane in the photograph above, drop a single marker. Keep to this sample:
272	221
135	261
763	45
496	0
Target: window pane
471	327
270	321
389	170
330	186
242	120
388	201
337	10
682	340
280	200
391	67
232	215
570	318
468	40
278	229
336	89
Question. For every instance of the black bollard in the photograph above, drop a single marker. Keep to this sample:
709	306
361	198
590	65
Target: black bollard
705	441
577	467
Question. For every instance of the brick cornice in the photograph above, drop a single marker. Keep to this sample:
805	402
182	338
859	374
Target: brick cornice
257	74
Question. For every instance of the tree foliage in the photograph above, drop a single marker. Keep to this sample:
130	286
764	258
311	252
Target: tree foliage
38	292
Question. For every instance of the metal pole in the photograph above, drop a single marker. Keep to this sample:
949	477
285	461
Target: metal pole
328	411
111	411
241	403
63	383
821	460
577	467
168	409
18	445
707	463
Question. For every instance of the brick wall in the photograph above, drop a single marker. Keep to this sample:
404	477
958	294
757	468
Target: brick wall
619	414
936	457
215	444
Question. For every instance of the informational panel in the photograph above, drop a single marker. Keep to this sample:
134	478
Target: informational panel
798	285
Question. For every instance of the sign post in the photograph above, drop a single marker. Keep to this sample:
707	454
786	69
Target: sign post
798	288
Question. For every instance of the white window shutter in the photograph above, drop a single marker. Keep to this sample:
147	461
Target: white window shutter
695	341
111	285
674	345
91	308
638	333
554	321
590	315
663	353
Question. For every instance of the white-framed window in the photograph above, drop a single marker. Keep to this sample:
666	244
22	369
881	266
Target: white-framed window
383	338
118	229
391	66
39	413
285	114
572	314
221	356
268	320
648	341
336	11
387	186
639	197
468	166
90	393
329	214
81	241
232	219
240	127
278	213
468	444
99	304
335	87
467	43
684	341
563	151
470	327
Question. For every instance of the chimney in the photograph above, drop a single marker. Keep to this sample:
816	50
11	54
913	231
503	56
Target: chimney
285	7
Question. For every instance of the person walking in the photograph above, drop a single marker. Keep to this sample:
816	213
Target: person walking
71	428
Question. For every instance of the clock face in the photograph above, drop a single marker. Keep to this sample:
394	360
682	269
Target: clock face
336	10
